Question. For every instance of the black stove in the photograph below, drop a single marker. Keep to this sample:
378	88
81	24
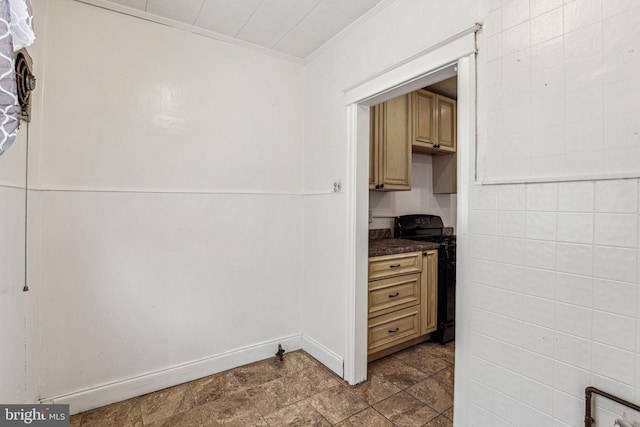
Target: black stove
430	228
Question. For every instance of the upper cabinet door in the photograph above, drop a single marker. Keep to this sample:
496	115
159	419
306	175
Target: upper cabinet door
447	123
434	123
424	118
395	144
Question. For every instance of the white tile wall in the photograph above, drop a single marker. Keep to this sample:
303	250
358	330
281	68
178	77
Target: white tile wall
615	263
617	196
569	89
615	297
614	363
537	395
558	305
538	339
574	289
567	408
575	227
540	254
538	7
537	367
538	282
573	319
576	197
614	330
530	417
576	259
541	225
567	376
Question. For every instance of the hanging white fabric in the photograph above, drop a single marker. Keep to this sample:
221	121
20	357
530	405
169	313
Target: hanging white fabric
21	24
16	32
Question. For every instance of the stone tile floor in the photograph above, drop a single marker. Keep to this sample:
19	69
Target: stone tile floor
410	388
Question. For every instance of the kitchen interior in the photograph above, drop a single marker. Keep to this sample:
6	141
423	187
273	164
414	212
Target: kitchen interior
412	243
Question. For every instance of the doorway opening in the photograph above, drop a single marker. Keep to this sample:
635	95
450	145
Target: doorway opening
432	67
412	210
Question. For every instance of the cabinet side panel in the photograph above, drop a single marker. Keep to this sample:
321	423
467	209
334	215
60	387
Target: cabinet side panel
429	305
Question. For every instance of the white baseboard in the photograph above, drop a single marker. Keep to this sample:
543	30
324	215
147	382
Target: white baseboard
116	391
325	356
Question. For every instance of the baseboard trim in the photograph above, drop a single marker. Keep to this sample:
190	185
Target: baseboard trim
325	356
116	391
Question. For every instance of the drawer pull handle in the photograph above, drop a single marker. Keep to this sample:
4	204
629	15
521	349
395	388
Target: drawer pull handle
394	330
394	295
394	266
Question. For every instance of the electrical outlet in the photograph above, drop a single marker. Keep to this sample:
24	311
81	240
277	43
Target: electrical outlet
370	216
337	187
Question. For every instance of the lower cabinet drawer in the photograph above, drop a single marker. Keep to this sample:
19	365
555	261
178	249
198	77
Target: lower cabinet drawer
390	329
394	265
394	293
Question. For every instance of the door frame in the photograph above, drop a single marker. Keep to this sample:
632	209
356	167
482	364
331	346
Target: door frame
456	54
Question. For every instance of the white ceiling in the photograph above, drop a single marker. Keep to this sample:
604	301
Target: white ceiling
293	27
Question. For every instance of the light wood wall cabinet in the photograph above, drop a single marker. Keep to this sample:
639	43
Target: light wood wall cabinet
434	123
402	301
390	145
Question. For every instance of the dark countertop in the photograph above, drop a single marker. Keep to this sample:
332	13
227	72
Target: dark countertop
379	247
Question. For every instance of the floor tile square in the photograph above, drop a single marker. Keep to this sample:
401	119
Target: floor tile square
190	418
440	421
314	380
166	403
258	373
233	410
404	410
75	420
449	413
375	389
369	418
214	387
300	414
433	393
446	376
337	403
397	372
122	414
276	394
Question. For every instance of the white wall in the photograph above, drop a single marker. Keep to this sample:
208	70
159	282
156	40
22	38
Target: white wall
399	31
561	92
13	302
420	199
170	170
137	271
18	309
554	292
551	304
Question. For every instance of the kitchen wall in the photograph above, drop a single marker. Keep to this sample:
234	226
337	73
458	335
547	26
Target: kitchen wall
169	167
386	205
549	290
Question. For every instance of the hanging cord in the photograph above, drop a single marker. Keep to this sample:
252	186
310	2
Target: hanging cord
26	217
